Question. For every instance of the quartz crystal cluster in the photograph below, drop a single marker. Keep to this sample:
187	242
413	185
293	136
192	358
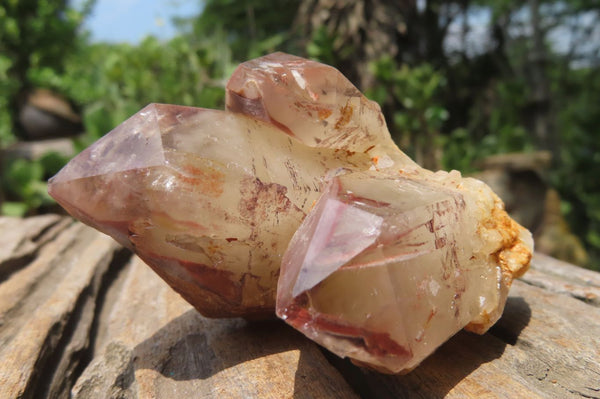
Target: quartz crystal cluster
296	200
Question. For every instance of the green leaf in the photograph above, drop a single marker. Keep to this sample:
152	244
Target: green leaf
52	162
21	173
593	237
16	209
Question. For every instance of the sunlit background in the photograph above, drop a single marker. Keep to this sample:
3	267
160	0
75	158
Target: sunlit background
508	91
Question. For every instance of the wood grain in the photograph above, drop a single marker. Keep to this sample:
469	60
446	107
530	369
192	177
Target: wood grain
44	305
162	347
80	317
544	346
22	238
562	278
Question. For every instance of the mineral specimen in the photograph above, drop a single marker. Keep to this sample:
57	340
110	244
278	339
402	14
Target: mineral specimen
298	188
209	199
387	268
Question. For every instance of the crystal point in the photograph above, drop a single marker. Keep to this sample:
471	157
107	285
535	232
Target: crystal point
140	132
423	271
209	199
296	200
315	104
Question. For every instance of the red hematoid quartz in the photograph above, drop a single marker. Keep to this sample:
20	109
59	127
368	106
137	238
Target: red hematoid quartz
296	200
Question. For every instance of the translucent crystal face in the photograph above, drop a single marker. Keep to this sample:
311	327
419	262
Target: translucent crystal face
387	259
315	104
388	264
209	199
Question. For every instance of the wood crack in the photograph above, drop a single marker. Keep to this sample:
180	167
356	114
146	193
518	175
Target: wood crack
84	319
27	241
75	347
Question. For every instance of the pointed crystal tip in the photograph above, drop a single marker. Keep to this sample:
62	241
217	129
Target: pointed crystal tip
396	263
297	199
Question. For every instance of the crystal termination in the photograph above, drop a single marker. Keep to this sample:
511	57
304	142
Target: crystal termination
296	200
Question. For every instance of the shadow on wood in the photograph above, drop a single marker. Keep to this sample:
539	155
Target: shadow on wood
70	314
221	355
201	349
516	316
448	366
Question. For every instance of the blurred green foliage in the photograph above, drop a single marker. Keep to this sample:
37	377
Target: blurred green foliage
413	93
35	37
25	180
444	109
113	81
577	177
248	29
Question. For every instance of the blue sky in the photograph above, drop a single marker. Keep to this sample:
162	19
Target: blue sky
132	20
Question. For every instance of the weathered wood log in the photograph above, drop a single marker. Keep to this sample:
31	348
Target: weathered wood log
22	238
46	310
80	317
545	346
153	344
563	278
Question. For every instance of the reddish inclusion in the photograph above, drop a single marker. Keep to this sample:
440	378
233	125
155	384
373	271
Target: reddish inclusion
219	281
346	114
376	343
209	181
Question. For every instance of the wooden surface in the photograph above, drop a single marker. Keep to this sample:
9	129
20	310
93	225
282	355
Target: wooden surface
81	317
